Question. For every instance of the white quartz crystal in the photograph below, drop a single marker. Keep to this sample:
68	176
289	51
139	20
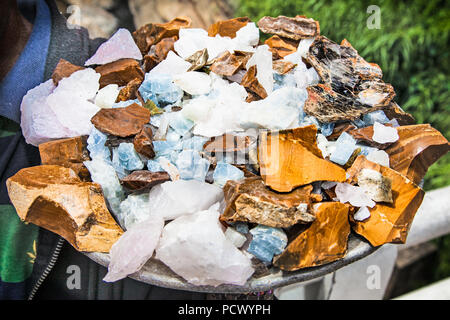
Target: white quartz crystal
262	58
362	214
173	199
193	82
384	134
120	46
38	121
235	237
106	97
134	248
380	157
354	195
172	66
195	247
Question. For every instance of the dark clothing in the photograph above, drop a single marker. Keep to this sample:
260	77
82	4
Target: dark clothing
51	272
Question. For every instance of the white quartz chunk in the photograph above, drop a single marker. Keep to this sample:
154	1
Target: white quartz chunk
262	58
106	97
134	248
354	195
173	199
195	247
172	66
384	134
362	214
380	157
193	82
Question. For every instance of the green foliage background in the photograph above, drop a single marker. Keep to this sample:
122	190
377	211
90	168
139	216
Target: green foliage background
412	49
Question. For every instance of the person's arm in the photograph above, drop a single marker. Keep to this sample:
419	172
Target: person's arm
14	33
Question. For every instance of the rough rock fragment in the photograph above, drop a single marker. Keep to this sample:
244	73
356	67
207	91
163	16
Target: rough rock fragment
339	128
282	66
393	111
324	241
251	83
227	64
290	158
296	28
152	33
158	53
365	135
69	153
129	92
227	28
384	134
119	46
281	47
227	143
184	250
267	242
63	70
134	248
40	196
377	187
122	122
417	148
120	72
249	200
354	195
198	60
142	179
143	142
388	222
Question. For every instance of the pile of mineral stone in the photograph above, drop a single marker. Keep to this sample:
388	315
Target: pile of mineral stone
221	155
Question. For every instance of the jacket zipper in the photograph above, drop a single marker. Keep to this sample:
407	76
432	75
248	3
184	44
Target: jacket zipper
47	270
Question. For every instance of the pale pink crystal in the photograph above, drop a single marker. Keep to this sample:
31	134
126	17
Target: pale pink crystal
120	46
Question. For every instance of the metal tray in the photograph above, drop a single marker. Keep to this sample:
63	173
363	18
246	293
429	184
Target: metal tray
156	273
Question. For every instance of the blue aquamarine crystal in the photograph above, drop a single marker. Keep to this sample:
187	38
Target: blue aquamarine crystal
365	150
164	147
267	242
161	90
96	145
327	128
241	227
194	143
173	137
128	158
191	165
154	166
375	116
117	165
103	173
345	145
359	123
287	80
225	172
134	209
179	123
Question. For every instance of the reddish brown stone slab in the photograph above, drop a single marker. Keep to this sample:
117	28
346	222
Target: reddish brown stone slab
120	72
143	142
324	241
54	198
417	148
227	28
388	222
121	122
63	70
69	153
339	129
365	135
143	179
152	33
158	53
227	143
281	47
282	67
290	158
393	111
296	28
251	83
250	200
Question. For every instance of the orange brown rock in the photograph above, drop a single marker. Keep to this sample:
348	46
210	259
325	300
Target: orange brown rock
417	148
227	143
388	222
296	28
69	153
281	47
121	122
143	142
54	198
290	158
227	28
282	67
393	111
324	241
152	33
250	200
158	53
251	83
143	179
120	72
63	70
227	64
130	91
365	135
